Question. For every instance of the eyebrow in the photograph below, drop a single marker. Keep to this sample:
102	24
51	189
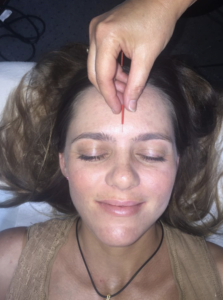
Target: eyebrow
152	136
98	136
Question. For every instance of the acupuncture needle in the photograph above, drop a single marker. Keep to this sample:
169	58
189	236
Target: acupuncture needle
123	107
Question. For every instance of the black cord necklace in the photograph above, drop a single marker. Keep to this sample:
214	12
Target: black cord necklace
130	280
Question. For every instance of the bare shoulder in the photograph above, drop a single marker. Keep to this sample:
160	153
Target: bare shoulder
12	242
217	253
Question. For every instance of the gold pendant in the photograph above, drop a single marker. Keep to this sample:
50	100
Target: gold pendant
108	297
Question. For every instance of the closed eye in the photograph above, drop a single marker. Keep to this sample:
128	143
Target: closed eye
92	158
152	158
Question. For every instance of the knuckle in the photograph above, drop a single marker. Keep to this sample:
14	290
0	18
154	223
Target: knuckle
103	30
101	82
137	90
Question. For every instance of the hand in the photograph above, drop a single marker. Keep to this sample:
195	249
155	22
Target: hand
141	29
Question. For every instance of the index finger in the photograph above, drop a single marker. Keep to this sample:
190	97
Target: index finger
91	65
106	67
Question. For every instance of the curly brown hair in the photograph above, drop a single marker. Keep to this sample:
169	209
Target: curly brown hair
38	113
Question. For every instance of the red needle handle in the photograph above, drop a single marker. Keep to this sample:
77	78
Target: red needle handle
123	107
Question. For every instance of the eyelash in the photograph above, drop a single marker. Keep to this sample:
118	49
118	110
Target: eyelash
92	158
151	158
100	157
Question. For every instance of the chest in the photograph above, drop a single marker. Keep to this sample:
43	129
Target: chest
183	272
71	281
66	290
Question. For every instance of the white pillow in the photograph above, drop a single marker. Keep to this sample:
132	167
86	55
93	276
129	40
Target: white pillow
10	75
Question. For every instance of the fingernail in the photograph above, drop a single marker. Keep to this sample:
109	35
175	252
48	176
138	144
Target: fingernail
132	105
115	111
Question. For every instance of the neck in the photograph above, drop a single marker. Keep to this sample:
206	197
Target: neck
112	267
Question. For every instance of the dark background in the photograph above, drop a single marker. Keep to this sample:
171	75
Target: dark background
198	36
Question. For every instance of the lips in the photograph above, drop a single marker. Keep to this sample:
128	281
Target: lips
120	208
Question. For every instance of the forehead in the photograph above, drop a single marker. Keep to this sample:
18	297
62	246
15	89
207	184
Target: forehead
93	114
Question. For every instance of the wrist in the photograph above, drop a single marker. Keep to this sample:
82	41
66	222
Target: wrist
174	7
178	6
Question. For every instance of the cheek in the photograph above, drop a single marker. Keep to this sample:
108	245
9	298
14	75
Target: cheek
83	183
158	184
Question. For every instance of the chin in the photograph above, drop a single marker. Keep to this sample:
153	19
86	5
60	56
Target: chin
119	236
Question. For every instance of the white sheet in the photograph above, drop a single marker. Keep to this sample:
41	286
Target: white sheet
23	215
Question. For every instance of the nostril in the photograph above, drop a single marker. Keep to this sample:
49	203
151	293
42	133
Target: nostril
123	177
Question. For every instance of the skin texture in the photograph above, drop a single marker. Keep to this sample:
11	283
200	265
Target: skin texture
128	169
125	169
109	241
141	29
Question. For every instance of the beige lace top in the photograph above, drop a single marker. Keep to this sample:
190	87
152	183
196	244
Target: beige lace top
193	267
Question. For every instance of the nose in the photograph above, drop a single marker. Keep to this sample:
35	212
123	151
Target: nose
122	176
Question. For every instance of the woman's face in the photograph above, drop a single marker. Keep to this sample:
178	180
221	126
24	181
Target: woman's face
120	182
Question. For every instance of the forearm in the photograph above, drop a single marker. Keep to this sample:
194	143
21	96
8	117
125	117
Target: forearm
174	7
180	6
